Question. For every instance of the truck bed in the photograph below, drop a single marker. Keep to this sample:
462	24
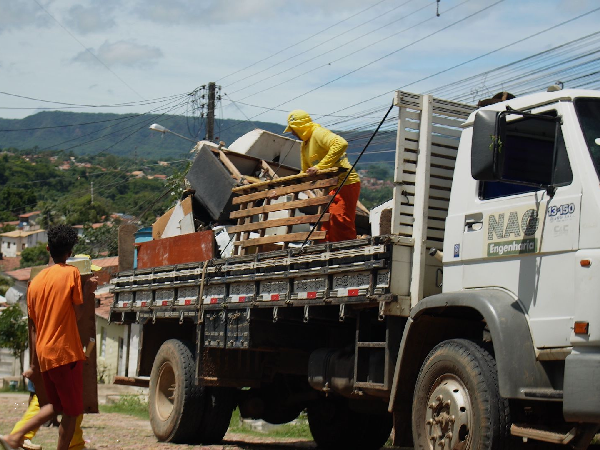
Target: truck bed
356	271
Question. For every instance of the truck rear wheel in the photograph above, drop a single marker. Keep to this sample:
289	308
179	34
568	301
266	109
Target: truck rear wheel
456	403
219	404
334	426
175	402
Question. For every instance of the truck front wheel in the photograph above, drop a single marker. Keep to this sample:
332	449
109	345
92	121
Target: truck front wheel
456	402
175	402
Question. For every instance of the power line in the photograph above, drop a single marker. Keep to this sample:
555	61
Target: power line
387	55
329	40
303	40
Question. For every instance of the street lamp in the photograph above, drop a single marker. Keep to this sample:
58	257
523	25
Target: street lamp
163	130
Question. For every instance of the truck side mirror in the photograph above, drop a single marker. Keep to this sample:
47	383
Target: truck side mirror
489	130
529	151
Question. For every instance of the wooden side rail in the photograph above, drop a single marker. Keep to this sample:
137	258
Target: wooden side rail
257	200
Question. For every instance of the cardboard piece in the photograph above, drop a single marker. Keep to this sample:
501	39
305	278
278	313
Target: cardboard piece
159	226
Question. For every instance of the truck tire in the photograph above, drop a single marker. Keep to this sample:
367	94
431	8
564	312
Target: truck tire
334	426
456	402
219	404
175	402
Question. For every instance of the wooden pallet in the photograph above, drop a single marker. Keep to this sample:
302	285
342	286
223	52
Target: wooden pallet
256	202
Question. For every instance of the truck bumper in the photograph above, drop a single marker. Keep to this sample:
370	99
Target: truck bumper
582	386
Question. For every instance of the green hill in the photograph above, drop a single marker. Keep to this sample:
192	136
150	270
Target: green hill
128	135
118	134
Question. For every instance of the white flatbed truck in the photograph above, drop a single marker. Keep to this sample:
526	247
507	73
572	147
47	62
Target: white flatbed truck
495	346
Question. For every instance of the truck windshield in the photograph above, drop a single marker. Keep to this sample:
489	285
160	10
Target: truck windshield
588	112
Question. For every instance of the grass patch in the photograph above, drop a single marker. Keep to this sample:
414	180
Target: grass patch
298	429
132	405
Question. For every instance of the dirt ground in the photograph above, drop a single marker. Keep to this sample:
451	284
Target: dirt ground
119	431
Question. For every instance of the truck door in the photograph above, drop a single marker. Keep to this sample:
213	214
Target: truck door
523	239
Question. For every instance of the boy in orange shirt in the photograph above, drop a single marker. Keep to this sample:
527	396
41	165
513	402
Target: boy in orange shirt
54	302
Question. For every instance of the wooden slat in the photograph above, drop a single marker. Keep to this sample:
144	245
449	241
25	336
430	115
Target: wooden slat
283	190
446	131
289	180
435	193
235	173
315	201
435	160
449	121
434	181
439	140
407	230
277	223
435	171
292	237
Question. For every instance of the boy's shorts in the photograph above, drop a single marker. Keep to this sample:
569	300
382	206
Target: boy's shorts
64	388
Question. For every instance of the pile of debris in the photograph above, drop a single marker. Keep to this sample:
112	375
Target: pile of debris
243	199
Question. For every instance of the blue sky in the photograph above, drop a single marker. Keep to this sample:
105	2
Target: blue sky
322	56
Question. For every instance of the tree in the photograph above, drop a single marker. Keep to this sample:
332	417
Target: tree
5	284
35	256
97	241
14	331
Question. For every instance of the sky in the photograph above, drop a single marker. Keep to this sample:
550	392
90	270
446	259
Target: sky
267	56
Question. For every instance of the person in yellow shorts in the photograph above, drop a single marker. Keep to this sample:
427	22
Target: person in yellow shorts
77	442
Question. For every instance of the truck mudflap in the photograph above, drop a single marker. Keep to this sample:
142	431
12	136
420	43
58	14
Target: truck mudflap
582	386
519	373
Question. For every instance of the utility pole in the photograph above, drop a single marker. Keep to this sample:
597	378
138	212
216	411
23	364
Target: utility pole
210	116
92	192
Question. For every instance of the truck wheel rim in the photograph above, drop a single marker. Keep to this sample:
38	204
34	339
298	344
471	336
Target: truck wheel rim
165	392
449	415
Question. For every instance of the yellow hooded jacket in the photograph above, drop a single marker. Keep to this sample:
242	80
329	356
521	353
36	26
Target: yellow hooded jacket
320	147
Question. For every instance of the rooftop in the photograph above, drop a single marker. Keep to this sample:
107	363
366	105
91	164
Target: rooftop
21	233
20	274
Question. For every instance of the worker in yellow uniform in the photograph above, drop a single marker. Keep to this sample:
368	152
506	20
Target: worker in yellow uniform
322	149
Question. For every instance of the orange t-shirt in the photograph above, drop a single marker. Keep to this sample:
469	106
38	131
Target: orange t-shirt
50	300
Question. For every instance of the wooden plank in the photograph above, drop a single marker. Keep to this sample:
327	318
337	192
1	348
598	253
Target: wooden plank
435	160
406	230
453	109
448	152
446	131
435	171
439	140
283	190
315	201
286	221
292	237
268	169
433	193
235	173
449	121
298	178
433	181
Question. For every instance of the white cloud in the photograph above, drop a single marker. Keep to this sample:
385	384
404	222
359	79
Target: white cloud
97	17
121	53
18	15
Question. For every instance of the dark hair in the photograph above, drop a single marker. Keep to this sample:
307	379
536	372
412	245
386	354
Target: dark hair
61	240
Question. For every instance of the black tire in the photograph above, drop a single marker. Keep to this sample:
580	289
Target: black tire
175	402
219	404
456	400
334	426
